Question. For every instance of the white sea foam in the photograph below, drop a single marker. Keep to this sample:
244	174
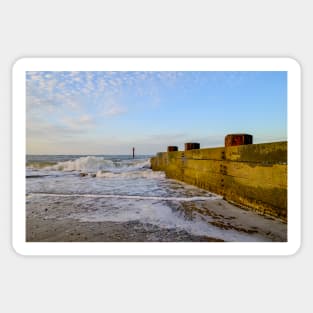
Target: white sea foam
199	198
93	164
122	190
89	163
147	210
130	174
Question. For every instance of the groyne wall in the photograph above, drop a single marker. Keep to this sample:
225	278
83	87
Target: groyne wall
252	175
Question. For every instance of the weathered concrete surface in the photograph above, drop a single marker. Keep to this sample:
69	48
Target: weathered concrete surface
254	176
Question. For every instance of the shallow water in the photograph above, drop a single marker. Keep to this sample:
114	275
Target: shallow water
136	203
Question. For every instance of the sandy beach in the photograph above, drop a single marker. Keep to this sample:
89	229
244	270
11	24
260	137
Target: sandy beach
57	225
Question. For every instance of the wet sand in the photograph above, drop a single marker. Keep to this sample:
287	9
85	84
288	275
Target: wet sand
44	224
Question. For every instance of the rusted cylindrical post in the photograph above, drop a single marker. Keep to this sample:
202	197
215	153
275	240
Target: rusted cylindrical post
172	148
192	146
238	140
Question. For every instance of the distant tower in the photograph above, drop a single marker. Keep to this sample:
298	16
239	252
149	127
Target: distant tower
133	152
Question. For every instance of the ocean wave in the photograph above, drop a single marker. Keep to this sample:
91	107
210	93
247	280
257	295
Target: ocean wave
94	164
39	164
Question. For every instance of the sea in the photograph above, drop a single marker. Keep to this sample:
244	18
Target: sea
116	198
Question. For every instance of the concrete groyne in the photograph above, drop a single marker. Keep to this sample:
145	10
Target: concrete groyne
251	175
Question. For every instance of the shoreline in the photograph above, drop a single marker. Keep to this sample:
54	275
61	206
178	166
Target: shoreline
42	225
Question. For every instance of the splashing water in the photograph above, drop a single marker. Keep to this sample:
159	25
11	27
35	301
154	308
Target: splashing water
121	190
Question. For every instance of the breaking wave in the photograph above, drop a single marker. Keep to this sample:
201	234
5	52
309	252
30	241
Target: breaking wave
94	164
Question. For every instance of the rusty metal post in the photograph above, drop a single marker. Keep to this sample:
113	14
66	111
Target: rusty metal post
192	146
238	140
172	148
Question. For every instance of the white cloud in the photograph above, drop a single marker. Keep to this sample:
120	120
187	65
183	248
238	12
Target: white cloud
113	110
85	119
81	123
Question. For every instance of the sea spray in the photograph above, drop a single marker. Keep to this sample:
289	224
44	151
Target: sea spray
117	189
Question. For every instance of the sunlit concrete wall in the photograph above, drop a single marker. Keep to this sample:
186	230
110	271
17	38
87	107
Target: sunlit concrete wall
253	176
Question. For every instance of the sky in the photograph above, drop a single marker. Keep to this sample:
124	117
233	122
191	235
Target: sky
111	112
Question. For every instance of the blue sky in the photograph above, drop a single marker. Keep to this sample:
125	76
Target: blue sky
110	112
